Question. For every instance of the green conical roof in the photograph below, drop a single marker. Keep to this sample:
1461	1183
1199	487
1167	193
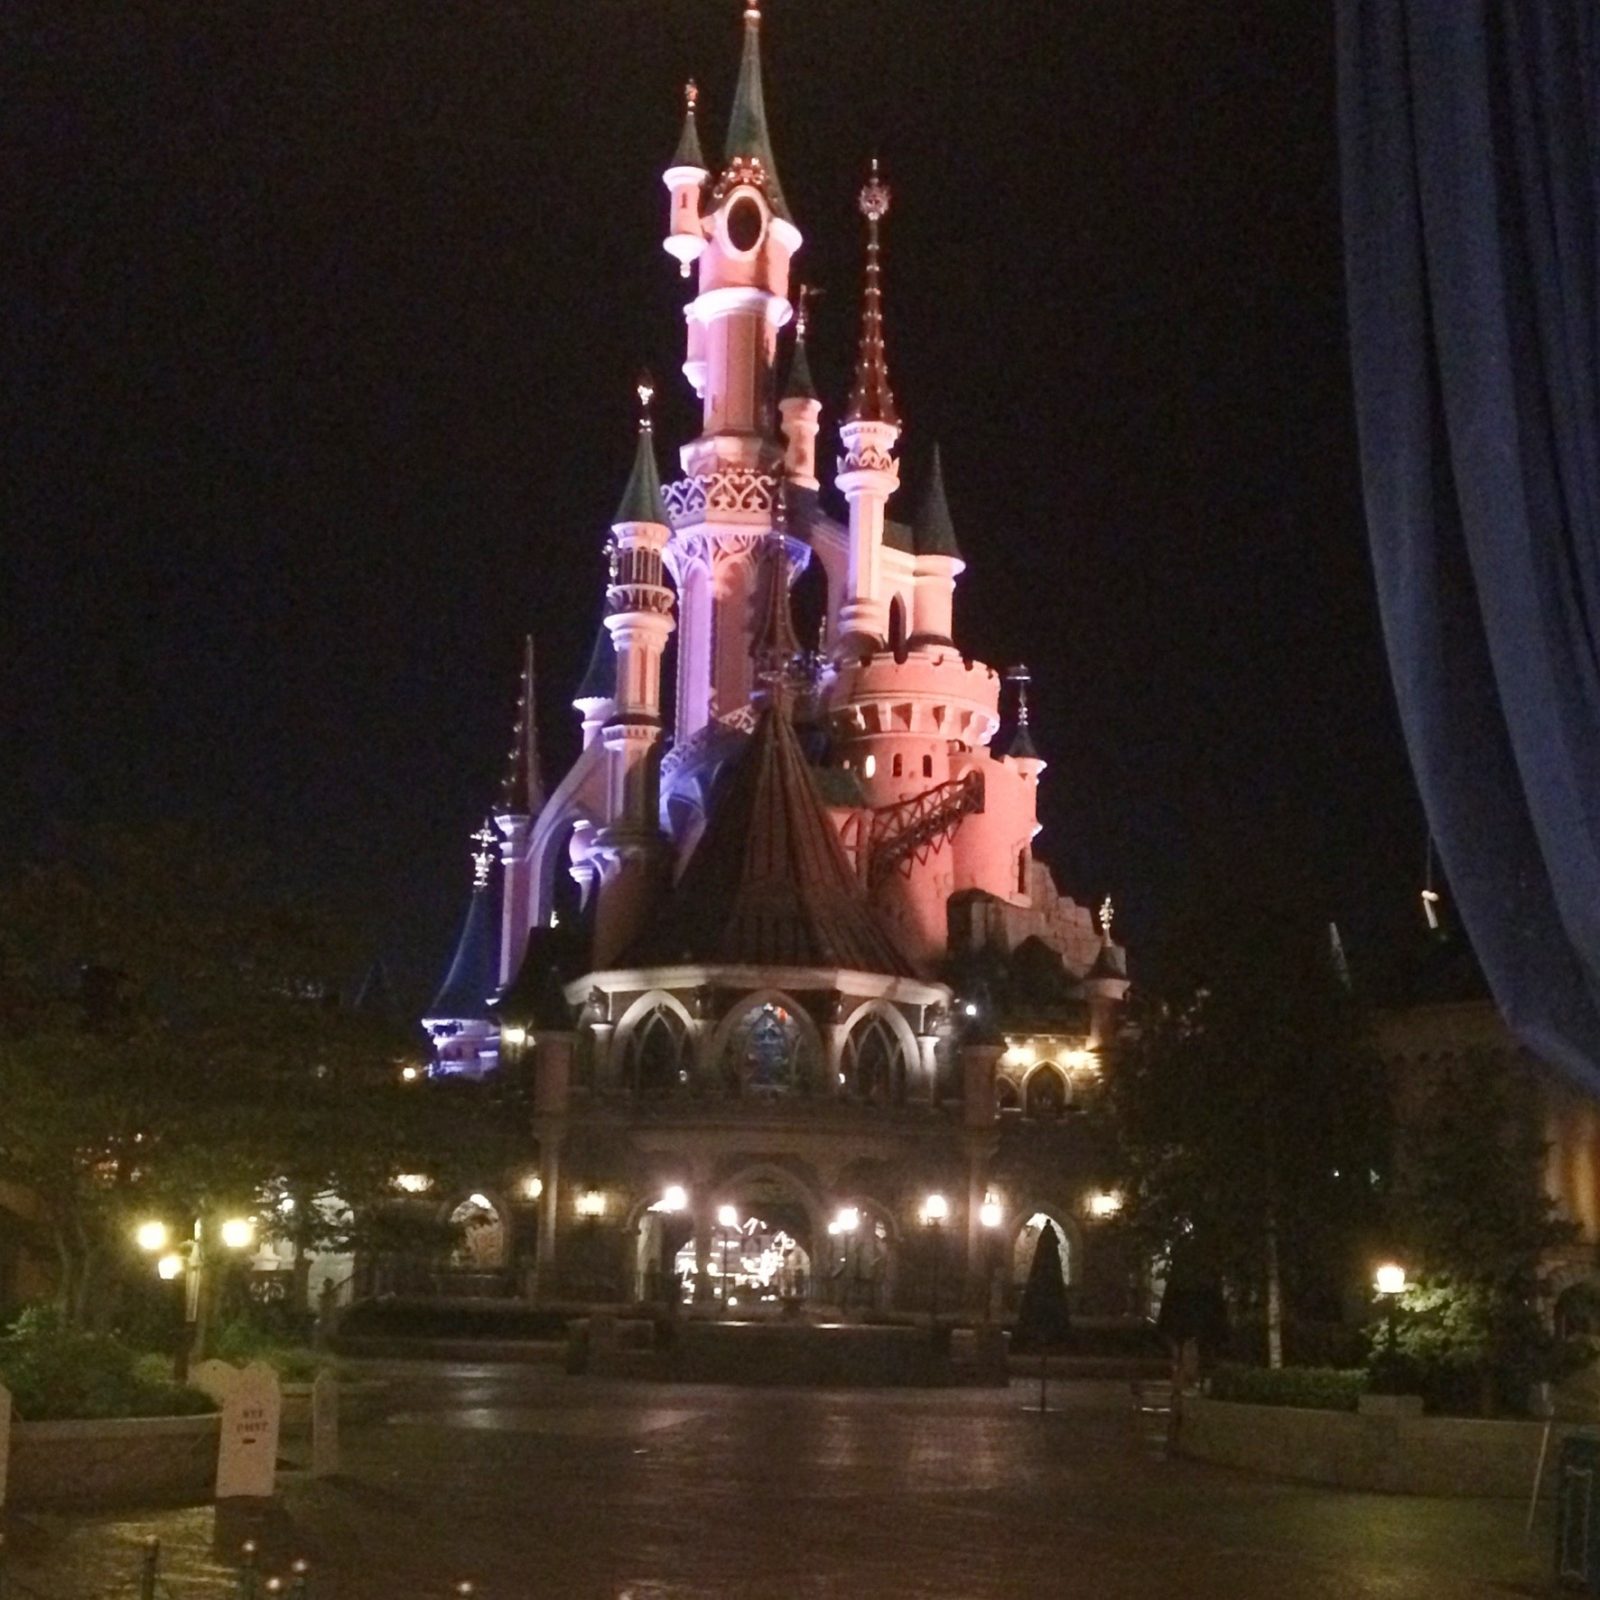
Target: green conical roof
641	500
799	386
689	153
747	123
933	533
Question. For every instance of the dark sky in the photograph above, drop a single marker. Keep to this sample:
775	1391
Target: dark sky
319	330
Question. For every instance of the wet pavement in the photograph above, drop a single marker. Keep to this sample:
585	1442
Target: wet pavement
533	1484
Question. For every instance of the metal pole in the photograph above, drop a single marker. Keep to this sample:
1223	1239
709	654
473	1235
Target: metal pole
249	1572
937	1254
149	1567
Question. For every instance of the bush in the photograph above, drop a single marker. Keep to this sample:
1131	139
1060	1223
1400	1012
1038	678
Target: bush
245	1340
56	1373
1314	1388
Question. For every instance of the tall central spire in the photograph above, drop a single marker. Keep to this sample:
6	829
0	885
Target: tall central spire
747	123
872	400
522	792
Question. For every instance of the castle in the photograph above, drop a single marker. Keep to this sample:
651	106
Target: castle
803	1016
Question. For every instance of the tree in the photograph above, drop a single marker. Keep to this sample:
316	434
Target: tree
173	1044
1249	1110
1478	1231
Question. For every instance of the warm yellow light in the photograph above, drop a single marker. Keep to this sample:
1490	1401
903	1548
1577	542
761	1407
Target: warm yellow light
846	1220
151	1236
991	1213
532	1186
1105	1204
169	1266
727	1217
514	1036
869	766
409	1074
674	1198
591	1203
935	1208
238	1233
1079	1058
413	1183
1390	1278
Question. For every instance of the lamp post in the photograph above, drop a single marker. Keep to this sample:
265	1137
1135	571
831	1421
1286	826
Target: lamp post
991	1214
845	1223
1389	1282
190	1259
727	1221
935	1210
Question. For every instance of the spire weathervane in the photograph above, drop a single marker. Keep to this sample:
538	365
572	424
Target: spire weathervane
1107	911
645	388
871	400
691	97
1020	676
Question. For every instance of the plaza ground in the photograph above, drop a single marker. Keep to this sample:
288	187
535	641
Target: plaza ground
533	1484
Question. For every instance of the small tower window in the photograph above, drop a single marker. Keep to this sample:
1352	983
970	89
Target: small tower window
1022	872
898	767
927	766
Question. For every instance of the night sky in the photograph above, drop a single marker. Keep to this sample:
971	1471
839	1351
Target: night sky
320	324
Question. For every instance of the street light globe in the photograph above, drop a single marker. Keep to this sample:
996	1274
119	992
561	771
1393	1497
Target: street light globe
238	1233
847	1219
169	1266
727	1217
151	1236
1390	1278
532	1186
674	1198
991	1213
935	1208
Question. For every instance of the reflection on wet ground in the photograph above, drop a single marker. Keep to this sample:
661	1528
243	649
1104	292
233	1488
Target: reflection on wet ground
535	1485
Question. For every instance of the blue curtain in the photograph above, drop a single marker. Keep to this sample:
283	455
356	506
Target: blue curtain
1469	133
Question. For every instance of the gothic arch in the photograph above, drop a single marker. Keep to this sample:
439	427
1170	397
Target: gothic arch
553	885
897	628
1046	1093
891	1027
812	1057
653	1044
1067	1229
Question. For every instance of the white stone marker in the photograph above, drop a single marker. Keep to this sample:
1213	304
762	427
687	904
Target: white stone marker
324	1425
5	1440
247	1457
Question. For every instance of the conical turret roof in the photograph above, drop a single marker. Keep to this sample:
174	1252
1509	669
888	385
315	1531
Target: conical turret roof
932	531
600	675
689	153
747	122
641	498
798	385
474	969
769	884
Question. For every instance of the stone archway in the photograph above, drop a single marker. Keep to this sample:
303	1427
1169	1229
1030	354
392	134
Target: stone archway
1026	1241
879	1055
484	1240
767	1242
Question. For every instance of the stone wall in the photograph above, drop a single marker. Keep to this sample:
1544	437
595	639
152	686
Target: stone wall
1393	1453
119	1462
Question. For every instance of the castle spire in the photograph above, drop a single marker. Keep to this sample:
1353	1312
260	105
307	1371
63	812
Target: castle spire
774	645
748	140
641	498
871	400
522	792
689	153
799	385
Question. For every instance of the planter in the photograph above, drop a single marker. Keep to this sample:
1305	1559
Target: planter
113	1463
1393	1449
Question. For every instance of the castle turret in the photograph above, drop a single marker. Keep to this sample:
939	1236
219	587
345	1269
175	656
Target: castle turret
729	499
639	620
800	409
868	471
938	562
684	179
521	799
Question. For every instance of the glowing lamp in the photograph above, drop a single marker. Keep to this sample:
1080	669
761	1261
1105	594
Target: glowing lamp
151	1236
532	1186
991	1213
727	1217
674	1198
514	1036
970	1008
935	1208
846	1220
591	1203
481	1201
169	1266
409	1074
238	1233
1390	1278
413	1183
1105	1204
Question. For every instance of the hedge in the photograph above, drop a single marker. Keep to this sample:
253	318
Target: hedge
1315	1388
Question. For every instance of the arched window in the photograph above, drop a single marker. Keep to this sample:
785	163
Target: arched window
1047	1094
1027	1242
897	628
927	766
481	1235
656	1061
766	1053
1006	1097
874	1065
897	767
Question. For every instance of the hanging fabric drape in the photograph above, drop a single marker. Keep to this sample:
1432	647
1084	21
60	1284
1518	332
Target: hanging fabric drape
1469	135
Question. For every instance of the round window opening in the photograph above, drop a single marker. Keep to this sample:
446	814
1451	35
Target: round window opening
744	224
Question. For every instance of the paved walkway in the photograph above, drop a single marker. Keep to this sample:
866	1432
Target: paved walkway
535	1485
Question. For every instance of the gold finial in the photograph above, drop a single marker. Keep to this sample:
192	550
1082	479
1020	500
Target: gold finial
691	96
645	388
874	197
803	297
1106	913
483	856
752	13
